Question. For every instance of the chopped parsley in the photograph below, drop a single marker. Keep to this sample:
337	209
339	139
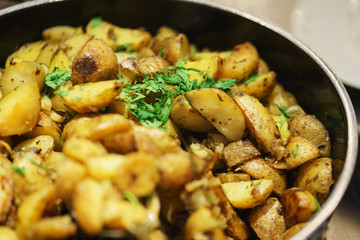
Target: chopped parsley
250	79
157	114
56	78
61	93
96	22
162	52
210	199
283	111
317	205
131	197
19	170
296	150
124	47
77	99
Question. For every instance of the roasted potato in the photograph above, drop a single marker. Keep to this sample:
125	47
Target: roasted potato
239	152
96	61
27	52
60	32
260	86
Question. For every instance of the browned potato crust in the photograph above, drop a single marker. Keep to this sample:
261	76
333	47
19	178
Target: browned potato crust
240	151
96	61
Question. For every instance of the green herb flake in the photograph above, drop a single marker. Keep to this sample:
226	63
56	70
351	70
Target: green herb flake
77	99
317	205
131	197
283	111
61	93
210	199
96	22
124	47
19	170
250	79
56	78
296	150
36	164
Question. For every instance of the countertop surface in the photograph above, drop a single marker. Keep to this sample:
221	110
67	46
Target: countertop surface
345	222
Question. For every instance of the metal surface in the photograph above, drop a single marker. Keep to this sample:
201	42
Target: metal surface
211	24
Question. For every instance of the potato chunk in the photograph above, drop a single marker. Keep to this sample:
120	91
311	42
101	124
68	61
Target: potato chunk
248	194
95	62
315	176
238	152
267	220
19	110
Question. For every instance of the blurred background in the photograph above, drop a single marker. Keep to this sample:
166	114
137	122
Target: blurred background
332	29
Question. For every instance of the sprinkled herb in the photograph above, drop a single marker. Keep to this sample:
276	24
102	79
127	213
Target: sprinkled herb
313	116
317	205
96	22
56	78
250	79
125	47
19	170
210	199
283	111
61	93
162	52
296	150
131	197
77	99
38	165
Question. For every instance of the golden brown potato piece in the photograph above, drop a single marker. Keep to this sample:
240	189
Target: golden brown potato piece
92	97
262	67
138	173
47	53
46	126
116	36
97	128
238	152
258	169
104	166
172	48
7	233
186	117
144	65
60	32
60	61
73	44
95	62
261	125
16	74
267	220
19	110
312	129
279	97
241	63
220	110
87	202
210	66
300	205
248	194
260	87
44	143
27	52
315	176
283	126
298	151
203	223
121	142
293	230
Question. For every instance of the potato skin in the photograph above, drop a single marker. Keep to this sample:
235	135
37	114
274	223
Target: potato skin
267	220
315	176
19	110
96	61
312	129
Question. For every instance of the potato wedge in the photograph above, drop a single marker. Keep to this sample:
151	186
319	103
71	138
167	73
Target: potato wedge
298	151
207	54
82	149
312	129
315	176
261	87
92	97
186	117
293	230
16	74
248	194
267	220
210	66
233	177
261	125
104	166
42	142
60	32
27	52
19	110
87	202
96	61
61	62
220	110
7	233
116	36
143	65
279	97
258	169
300	205
240	151
73	44
241	63
47	53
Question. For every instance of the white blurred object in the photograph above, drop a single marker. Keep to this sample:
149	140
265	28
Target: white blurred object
332	29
